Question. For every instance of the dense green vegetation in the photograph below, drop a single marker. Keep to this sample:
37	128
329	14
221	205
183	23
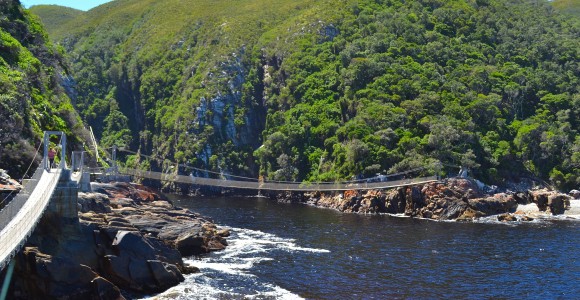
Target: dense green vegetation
55	16
471	83
332	89
567	6
31	97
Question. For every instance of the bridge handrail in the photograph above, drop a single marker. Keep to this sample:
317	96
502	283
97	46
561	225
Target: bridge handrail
297	186
33	203
11	209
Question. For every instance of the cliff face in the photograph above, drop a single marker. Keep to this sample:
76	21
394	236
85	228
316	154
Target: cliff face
173	79
31	96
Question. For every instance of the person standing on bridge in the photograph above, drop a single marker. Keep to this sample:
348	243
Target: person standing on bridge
51	155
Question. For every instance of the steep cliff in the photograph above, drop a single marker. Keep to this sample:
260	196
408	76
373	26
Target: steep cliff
32	98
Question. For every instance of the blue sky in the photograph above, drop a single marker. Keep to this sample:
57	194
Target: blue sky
78	4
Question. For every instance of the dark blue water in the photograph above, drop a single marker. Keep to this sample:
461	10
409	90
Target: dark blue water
289	251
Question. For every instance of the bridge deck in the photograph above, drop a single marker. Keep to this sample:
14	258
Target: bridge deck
277	186
22	224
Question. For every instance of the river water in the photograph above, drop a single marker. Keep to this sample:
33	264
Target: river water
292	251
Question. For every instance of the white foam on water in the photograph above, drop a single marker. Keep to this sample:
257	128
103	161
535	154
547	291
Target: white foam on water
531	210
189	289
237	268
574	211
254	241
227	274
276	293
528	208
200	286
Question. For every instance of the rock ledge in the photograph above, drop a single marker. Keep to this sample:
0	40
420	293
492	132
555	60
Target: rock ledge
128	239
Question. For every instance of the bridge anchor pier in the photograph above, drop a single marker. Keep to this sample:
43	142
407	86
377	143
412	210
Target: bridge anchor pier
64	202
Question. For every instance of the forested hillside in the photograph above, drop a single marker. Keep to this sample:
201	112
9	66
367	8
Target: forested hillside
32	98
322	90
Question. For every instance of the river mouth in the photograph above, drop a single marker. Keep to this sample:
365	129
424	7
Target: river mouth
291	251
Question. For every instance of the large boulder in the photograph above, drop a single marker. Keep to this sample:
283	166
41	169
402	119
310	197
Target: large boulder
104	289
350	201
506	217
133	244
575	194
414	201
395	201
445	200
116	269
190	244
493	205
524	197
457	188
43	276
166	275
540	197
451	210
135	263
558	204
469	214
193	238
327	200
372	202
95	202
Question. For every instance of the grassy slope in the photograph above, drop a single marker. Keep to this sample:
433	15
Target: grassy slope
55	17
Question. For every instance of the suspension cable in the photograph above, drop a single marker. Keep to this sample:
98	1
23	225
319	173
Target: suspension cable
269	181
24	175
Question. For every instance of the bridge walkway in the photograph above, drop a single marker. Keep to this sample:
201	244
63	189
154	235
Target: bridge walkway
19	217
277	186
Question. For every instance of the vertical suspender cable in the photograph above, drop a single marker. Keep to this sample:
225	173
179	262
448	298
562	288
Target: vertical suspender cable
7	280
95	145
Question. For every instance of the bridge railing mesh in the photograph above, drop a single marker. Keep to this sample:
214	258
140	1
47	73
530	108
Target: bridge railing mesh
20	217
278	186
11	209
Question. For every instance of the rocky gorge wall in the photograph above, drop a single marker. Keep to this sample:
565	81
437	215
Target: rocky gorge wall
451	199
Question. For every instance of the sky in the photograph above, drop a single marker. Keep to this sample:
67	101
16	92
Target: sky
78	4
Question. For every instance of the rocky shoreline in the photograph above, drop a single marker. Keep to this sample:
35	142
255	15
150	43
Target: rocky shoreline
459	199
128	240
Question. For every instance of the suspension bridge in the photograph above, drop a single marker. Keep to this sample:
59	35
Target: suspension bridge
241	182
277	185
20	216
